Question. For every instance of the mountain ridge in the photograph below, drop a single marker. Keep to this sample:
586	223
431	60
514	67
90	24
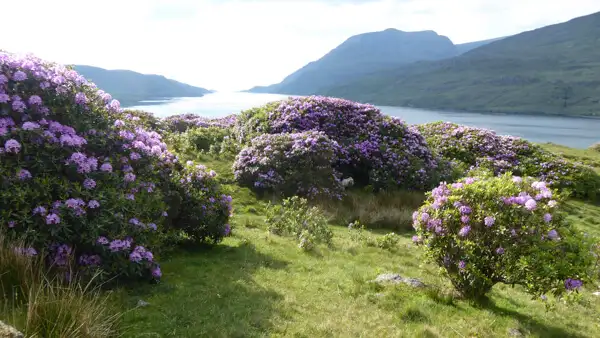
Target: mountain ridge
131	87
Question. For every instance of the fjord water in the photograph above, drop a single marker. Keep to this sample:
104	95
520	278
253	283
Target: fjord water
570	131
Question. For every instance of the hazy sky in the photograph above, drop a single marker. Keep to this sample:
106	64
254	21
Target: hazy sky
236	44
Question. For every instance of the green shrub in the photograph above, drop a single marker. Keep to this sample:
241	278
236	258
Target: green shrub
290	164
466	147
387	241
198	207
295	217
483	231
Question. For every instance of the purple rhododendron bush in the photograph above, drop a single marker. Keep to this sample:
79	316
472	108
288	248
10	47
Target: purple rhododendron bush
505	229
373	149
290	164
82	181
182	122
468	147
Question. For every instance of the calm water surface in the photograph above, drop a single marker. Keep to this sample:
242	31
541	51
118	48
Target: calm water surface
569	131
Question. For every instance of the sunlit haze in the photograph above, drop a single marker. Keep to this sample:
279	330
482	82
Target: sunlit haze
234	45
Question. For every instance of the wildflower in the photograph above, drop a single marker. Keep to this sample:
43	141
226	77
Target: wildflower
500	251
531	204
489	221
89	183
19	76
30	126
52	219
573	284
424	217
129	177
106	167
547	218
553	234
465	219
462	265
24	174
93	204
464	231
12	146
102	240
35	100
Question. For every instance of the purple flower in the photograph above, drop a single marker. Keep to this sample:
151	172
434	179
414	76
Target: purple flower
500	251
489	221
465	219
129	177
93	204
462	265
416	239
30	126
227	230
572	284
424	217
531	204
152	226
29	252
517	179
119	123
80	98
464	231
102	240
156	273
24	174
52	219
547	218
553	234
12	146
106	167
40	210
465	210
89	183
35	100
19	76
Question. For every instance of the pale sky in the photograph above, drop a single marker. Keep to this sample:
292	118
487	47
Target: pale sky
237	44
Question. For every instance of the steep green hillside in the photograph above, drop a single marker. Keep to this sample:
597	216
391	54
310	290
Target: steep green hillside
551	70
363	54
130	87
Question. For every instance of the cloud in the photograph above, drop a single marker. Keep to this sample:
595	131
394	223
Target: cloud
236	44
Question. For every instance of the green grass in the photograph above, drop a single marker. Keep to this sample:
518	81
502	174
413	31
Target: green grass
256	284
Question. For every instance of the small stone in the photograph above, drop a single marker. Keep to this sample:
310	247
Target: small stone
514	332
415	283
142	303
7	331
389	278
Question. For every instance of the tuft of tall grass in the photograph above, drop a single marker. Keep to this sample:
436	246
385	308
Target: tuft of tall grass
390	210
42	305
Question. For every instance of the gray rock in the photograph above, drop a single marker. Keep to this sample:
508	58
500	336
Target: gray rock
389	278
395	278
515	333
7	331
142	303
416	283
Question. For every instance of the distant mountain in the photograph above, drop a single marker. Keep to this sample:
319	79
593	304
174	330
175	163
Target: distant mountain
551	70
465	47
130	87
363	54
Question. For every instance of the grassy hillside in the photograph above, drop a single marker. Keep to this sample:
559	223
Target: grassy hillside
551	70
255	285
130	87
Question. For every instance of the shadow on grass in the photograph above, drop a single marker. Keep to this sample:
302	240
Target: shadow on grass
528	323
205	293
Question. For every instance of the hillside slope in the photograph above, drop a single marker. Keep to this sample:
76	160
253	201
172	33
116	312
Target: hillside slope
551	70
130	87
363	54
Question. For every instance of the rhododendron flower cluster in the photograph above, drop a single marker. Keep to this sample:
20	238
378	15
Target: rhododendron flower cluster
74	169
505	229
290	164
470	147
373	149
